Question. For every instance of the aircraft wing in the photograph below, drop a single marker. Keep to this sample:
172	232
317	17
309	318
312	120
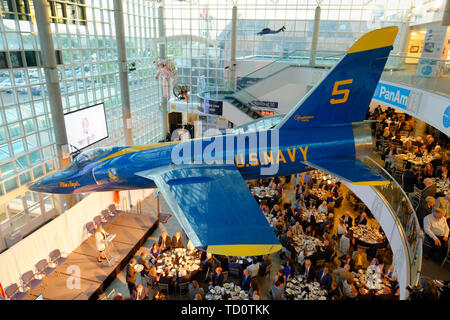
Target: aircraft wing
353	170
215	208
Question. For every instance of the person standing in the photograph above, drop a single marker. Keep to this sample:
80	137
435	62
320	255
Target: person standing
100	244
131	275
164	241
177	241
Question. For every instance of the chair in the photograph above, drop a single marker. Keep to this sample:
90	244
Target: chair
207	274
12	292
90	227
380	252
113	210
29	280
164	287
447	257
235	273
107	216
99	222
56	257
320	262
362	247
225	275
183	288
418	193
43	268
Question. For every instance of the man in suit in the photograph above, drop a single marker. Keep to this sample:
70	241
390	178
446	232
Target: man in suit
411	179
430	188
442	173
347	259
217	278
177	241
361	219
424	209
324	278
233	264
245	280
343	273
348	221
131	275
307	271
388	156
167	278
194	289
164	242
140	293
277	291
143	260
360	259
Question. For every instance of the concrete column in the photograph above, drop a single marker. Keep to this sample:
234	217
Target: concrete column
315	37
163	56
233	48
48	56
446	15
402	37
123	71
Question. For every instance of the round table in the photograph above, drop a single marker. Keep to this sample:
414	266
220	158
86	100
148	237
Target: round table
371	280
177	259
306	242
229	291
298	289
366	236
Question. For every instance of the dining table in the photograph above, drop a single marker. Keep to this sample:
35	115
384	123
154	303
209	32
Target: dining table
177	259
228	291
442	186
371	279
309	243
366	236
414	160
297	288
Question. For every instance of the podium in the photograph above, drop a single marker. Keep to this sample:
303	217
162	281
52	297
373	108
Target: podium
110	251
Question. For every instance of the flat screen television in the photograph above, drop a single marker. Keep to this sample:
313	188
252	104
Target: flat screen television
85	127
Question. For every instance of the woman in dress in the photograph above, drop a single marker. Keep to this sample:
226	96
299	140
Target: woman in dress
100	243
154	253
428	172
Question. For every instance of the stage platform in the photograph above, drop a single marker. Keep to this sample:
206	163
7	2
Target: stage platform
81	277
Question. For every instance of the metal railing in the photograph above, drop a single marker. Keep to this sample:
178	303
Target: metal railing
425	73
401	206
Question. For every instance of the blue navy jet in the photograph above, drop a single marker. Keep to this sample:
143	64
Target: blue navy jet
203	180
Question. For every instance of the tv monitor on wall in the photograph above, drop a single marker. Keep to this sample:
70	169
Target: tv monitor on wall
85	127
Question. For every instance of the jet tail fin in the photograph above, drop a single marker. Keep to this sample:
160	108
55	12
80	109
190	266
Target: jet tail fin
344	95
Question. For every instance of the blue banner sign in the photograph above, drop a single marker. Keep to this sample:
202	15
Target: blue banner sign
393	95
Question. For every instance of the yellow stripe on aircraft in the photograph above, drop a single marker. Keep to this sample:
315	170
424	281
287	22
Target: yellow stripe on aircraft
139	148
244	250
379	38
372	183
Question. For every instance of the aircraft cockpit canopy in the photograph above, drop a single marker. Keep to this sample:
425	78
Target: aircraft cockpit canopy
88	156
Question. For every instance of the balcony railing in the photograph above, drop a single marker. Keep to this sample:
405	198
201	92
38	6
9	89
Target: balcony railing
406	217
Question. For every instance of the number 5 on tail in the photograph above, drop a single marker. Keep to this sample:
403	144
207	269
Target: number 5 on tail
337	91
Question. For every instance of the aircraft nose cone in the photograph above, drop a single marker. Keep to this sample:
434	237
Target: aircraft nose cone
40	185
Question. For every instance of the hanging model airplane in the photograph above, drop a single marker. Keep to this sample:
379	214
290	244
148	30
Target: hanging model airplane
203	180
270	31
